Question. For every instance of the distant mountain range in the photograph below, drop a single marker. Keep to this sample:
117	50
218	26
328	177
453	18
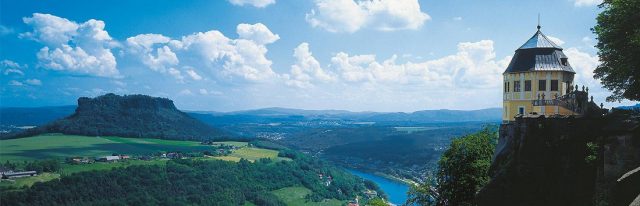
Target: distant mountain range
34	116
114	115
284	114
632	107
41	115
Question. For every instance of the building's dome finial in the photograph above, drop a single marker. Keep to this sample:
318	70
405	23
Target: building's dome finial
539	22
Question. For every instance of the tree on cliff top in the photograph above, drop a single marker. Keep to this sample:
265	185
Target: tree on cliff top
618	32
463	171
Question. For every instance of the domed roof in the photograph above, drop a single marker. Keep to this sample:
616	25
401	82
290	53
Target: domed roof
539	53
539	40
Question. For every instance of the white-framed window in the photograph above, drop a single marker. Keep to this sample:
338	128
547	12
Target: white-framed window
521	110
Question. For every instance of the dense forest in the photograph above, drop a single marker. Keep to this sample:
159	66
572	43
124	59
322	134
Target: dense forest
128	116
192	182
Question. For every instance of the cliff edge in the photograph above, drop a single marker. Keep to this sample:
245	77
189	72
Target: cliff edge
566	161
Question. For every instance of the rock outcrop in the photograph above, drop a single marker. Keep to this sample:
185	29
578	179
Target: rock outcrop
129	116
565	161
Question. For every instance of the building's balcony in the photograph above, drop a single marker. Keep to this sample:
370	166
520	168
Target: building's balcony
575	101
546	102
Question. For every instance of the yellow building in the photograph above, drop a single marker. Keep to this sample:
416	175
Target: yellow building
538	81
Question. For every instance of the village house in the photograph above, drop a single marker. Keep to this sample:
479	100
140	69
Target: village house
112	158
78	160
12	175
371	194
173	155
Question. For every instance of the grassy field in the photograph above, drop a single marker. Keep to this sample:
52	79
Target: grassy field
295	196
58	145
28	181
68	169
410	130
252	154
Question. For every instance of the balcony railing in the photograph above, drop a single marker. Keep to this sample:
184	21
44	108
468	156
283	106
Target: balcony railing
546	102
574	101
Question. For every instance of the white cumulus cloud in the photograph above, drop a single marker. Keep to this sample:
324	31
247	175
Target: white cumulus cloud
306	69
255	3
15	83
10	67
6	30
352	15
244	57
580	3
258	33
193	74
556	40
153	52
83	48
186	92
473	66
177	74
34	82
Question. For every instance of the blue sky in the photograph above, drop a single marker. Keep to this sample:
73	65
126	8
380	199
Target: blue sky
383	55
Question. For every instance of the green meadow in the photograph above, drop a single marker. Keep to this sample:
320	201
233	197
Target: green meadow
60	146
28	181
296	196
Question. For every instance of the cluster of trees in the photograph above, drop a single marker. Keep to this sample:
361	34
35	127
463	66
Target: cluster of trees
190	182
463	170
618	31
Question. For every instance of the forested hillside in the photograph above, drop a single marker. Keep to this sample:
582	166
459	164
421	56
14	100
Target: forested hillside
192	182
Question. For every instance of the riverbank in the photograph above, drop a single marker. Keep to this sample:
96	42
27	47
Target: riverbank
395	189
399	179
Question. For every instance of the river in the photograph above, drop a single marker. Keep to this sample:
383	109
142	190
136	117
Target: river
395	190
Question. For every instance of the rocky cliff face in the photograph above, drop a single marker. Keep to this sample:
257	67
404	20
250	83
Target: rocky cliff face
130	116
565	161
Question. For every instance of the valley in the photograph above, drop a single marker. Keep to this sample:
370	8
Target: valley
389	149
150	154
402	145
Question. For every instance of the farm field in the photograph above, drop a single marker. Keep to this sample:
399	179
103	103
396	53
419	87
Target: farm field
252	154
59	146
410	130
68	169
28	181
296	196
51	146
